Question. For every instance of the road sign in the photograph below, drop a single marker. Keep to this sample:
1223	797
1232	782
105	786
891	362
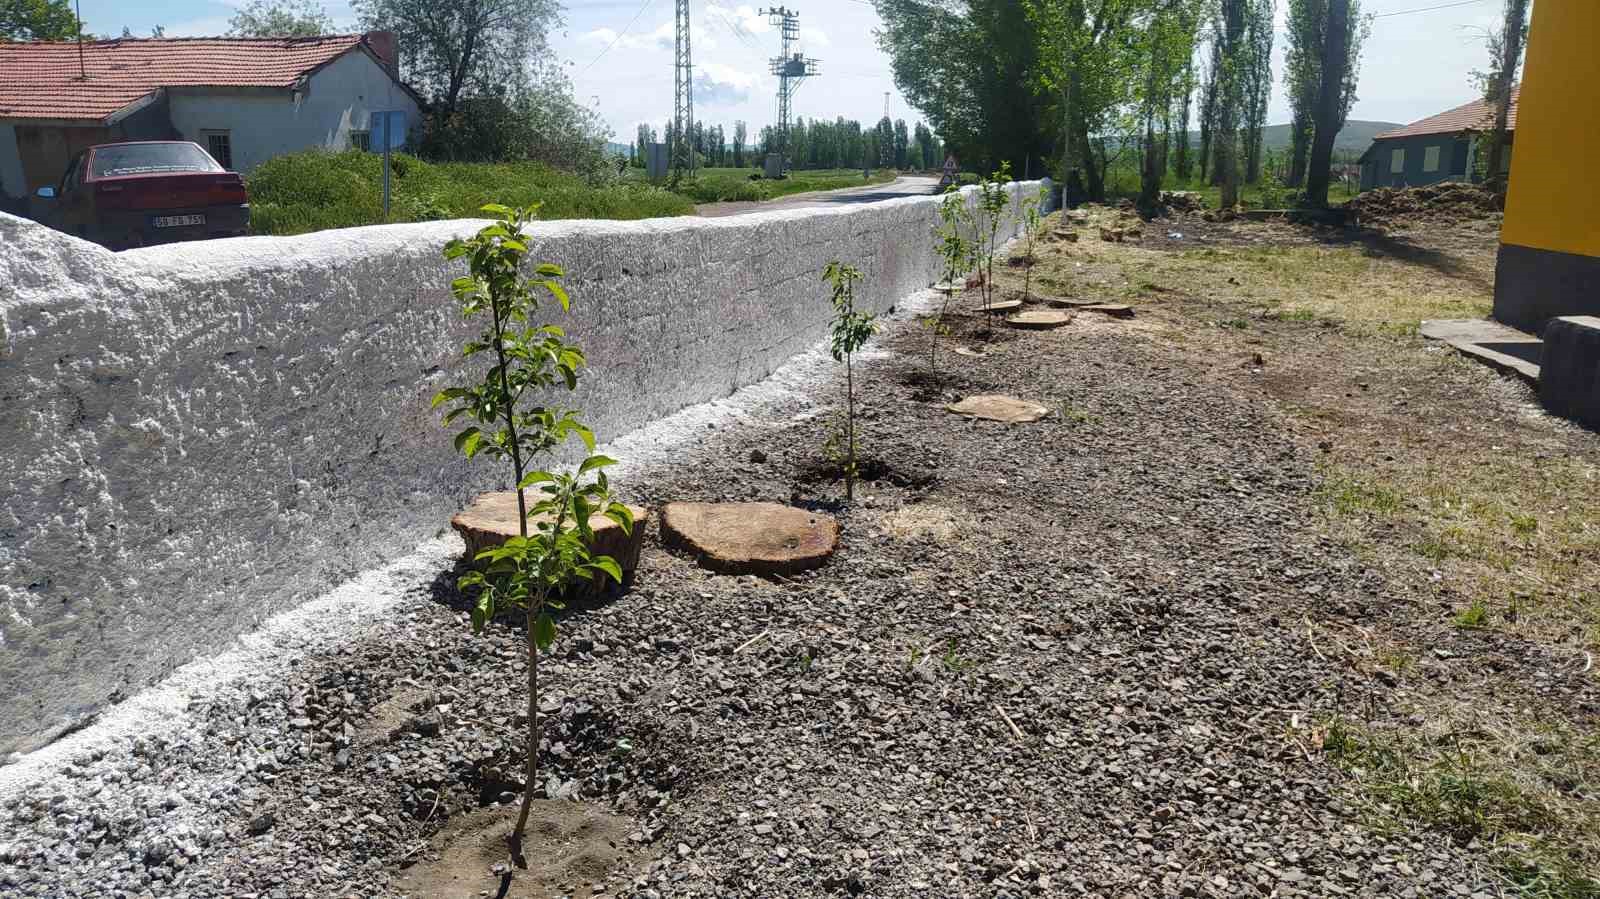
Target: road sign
388	130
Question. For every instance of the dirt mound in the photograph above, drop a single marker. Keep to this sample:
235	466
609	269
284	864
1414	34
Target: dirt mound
1445	203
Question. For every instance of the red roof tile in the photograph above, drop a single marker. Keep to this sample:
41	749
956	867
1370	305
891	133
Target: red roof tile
1475	116
42	79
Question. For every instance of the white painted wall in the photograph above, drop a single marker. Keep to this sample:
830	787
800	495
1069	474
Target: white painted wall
196	436
12	182
341	98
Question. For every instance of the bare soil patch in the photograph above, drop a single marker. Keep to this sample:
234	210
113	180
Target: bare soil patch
573	849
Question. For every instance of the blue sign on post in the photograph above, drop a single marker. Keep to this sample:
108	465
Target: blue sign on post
388	132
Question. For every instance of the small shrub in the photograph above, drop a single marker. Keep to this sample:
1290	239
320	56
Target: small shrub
530	571
1475	615
955	255
851	330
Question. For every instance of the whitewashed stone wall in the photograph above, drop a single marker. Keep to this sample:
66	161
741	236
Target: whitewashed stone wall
195	437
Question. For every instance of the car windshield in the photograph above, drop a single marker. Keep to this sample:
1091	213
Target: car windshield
151	159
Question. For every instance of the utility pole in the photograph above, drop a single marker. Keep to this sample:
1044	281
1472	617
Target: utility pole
682	149
791	68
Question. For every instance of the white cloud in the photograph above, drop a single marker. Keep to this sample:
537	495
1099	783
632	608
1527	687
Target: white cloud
743	19
718	85
815	37
663	37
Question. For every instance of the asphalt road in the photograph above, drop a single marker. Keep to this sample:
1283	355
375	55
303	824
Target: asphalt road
904	186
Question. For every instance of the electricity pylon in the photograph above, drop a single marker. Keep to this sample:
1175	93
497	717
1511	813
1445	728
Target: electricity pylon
791	68
682	96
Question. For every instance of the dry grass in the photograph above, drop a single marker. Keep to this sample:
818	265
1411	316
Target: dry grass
1482	513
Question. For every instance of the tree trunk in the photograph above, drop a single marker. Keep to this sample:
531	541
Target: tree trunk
1330	97
1301	144
1510	54
531	766
1231	89
1183	164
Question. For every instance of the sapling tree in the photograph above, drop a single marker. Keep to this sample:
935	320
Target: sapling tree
955	255
851	330
1032	224
993	199
552	549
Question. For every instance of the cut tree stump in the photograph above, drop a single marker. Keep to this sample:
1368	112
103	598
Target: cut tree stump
1115	310
999	407
1039	319
1065	303
1000	307
492	518
750	538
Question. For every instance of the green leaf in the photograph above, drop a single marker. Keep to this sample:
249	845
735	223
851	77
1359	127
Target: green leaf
593	462
467	441
586	435
560	293
496	210
544	630
548	270
607	565
535	477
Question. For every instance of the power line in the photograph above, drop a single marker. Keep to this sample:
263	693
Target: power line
1407	12
642	7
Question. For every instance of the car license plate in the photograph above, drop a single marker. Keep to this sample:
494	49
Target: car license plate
177	221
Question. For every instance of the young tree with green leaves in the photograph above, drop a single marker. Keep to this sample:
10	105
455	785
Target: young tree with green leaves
37	20
851	331
989	212
530	572
280	18
955	256
1505	49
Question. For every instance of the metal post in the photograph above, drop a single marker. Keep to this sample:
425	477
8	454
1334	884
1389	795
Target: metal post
387	124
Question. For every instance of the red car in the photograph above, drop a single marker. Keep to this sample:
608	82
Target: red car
146	192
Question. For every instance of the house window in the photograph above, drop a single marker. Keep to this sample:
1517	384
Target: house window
1397	161
361	140
1430	159
220	145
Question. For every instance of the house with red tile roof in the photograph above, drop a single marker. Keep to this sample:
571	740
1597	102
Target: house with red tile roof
245	100
1438	148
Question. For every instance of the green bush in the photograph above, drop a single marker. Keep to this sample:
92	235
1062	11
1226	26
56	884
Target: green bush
317	190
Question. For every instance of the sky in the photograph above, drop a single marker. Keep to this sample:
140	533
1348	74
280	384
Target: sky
620	55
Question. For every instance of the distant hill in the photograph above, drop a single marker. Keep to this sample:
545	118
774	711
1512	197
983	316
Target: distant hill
615	149
1354	139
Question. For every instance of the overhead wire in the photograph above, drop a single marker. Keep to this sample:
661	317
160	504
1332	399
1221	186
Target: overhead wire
631	22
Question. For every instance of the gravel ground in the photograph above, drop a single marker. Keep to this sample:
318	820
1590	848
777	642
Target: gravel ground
1060	659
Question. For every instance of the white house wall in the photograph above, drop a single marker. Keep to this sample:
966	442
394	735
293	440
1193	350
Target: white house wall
341	98
196	436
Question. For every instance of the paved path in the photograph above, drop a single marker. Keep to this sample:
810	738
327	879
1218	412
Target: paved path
904	186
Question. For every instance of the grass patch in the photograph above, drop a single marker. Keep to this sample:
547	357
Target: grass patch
1526	792
728	184
317	190
1348	495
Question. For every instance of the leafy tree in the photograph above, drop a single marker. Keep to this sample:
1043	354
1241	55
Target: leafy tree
1257	74
925	141
914	160
902	142
451	50
1307	25
851	330
37	20
1165	44
1231	16
740	134
884	135
1505	52
1208	108
1328	116
972	67
280	18
1183	159
643	138
531	571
